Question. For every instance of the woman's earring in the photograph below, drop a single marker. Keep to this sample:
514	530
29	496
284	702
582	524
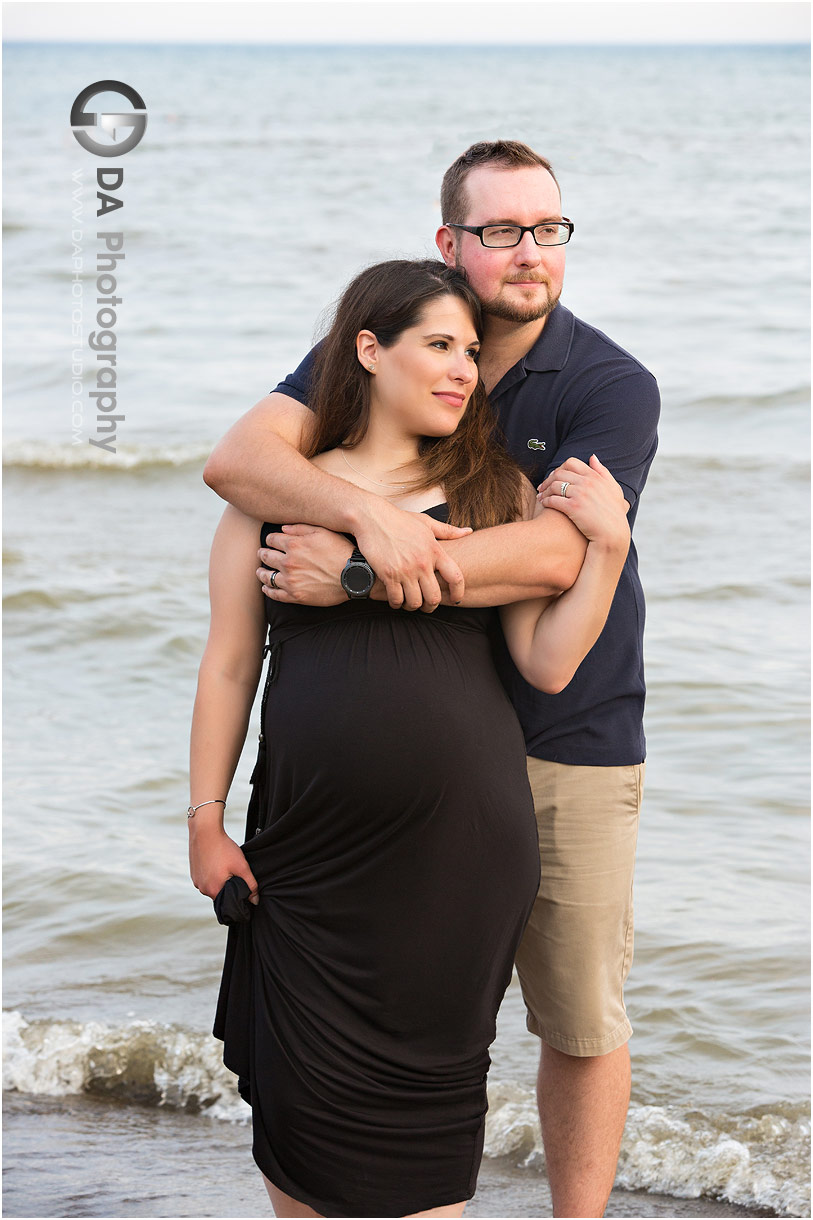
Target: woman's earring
371	367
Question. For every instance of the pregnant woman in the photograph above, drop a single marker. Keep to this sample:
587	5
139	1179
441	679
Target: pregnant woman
391	857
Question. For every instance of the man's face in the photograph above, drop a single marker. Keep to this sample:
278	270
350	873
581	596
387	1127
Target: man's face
523	283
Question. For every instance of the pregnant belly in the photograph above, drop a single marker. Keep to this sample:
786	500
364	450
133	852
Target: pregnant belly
419	706
400	824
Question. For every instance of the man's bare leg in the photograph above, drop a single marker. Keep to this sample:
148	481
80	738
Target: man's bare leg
582	1110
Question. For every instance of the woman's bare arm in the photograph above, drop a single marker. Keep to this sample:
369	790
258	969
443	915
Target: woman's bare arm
549	638
227	683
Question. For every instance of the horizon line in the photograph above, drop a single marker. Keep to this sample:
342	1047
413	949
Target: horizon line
402	45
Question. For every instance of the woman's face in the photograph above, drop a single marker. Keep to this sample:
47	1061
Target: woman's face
422	384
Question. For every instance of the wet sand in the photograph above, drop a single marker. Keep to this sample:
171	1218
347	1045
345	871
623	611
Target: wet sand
83	1157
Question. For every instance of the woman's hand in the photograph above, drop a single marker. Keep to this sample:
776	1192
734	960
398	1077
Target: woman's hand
593	501
214	857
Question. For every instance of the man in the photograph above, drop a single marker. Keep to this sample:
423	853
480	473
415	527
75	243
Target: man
563	391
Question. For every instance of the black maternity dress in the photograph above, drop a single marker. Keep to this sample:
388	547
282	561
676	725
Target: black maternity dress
397	859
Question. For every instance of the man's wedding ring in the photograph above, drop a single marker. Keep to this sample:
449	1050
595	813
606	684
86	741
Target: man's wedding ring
272	578
564	489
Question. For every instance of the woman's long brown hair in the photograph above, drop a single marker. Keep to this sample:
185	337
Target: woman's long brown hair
482	484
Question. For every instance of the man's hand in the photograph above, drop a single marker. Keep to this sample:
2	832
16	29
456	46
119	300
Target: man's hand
308	562
404	551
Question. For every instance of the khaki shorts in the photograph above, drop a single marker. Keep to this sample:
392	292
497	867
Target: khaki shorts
576	952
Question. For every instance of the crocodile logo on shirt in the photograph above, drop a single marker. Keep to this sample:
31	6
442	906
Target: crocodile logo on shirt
533	443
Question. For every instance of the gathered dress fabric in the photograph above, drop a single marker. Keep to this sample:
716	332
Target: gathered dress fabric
392	835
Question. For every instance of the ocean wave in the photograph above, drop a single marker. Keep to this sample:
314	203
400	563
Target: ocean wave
40	599
788	397
754	1159
136	1062
751	1159
794	466
36	455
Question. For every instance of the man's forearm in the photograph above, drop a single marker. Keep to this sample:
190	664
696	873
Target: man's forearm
258	468
524	559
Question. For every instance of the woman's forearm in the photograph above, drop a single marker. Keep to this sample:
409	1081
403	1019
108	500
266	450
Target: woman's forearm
227	682
219	725
548	643
570	626
258	467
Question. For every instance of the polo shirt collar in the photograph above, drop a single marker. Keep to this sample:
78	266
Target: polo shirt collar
550	352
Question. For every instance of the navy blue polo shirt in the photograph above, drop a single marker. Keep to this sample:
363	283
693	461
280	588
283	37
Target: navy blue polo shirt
573	394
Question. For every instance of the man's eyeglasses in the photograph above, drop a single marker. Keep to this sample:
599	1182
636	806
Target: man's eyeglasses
548	233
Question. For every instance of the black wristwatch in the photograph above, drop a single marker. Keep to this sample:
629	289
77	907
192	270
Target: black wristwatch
357	576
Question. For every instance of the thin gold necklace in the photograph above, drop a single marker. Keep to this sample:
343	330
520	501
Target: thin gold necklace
369	478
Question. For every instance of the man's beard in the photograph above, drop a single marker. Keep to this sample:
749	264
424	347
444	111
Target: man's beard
510	311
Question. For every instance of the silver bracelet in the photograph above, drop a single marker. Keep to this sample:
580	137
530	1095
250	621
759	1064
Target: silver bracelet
193	809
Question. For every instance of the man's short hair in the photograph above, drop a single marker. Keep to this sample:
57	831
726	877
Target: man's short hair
506	154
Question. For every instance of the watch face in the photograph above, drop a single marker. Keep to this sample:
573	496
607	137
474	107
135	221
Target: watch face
356	578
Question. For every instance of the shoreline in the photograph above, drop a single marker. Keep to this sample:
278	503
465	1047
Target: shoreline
502	1186
111	1160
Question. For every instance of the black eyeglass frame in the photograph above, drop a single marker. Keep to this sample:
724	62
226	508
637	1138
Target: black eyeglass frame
479	230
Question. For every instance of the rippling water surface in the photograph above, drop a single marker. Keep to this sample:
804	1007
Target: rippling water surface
247	206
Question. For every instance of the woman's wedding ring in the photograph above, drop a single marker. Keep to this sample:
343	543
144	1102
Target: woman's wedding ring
564	489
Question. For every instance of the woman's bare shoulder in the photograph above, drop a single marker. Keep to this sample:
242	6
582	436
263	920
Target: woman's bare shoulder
331	462
236	528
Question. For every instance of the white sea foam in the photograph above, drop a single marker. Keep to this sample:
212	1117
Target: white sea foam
752	1160
139	1061
749	1159
38	455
